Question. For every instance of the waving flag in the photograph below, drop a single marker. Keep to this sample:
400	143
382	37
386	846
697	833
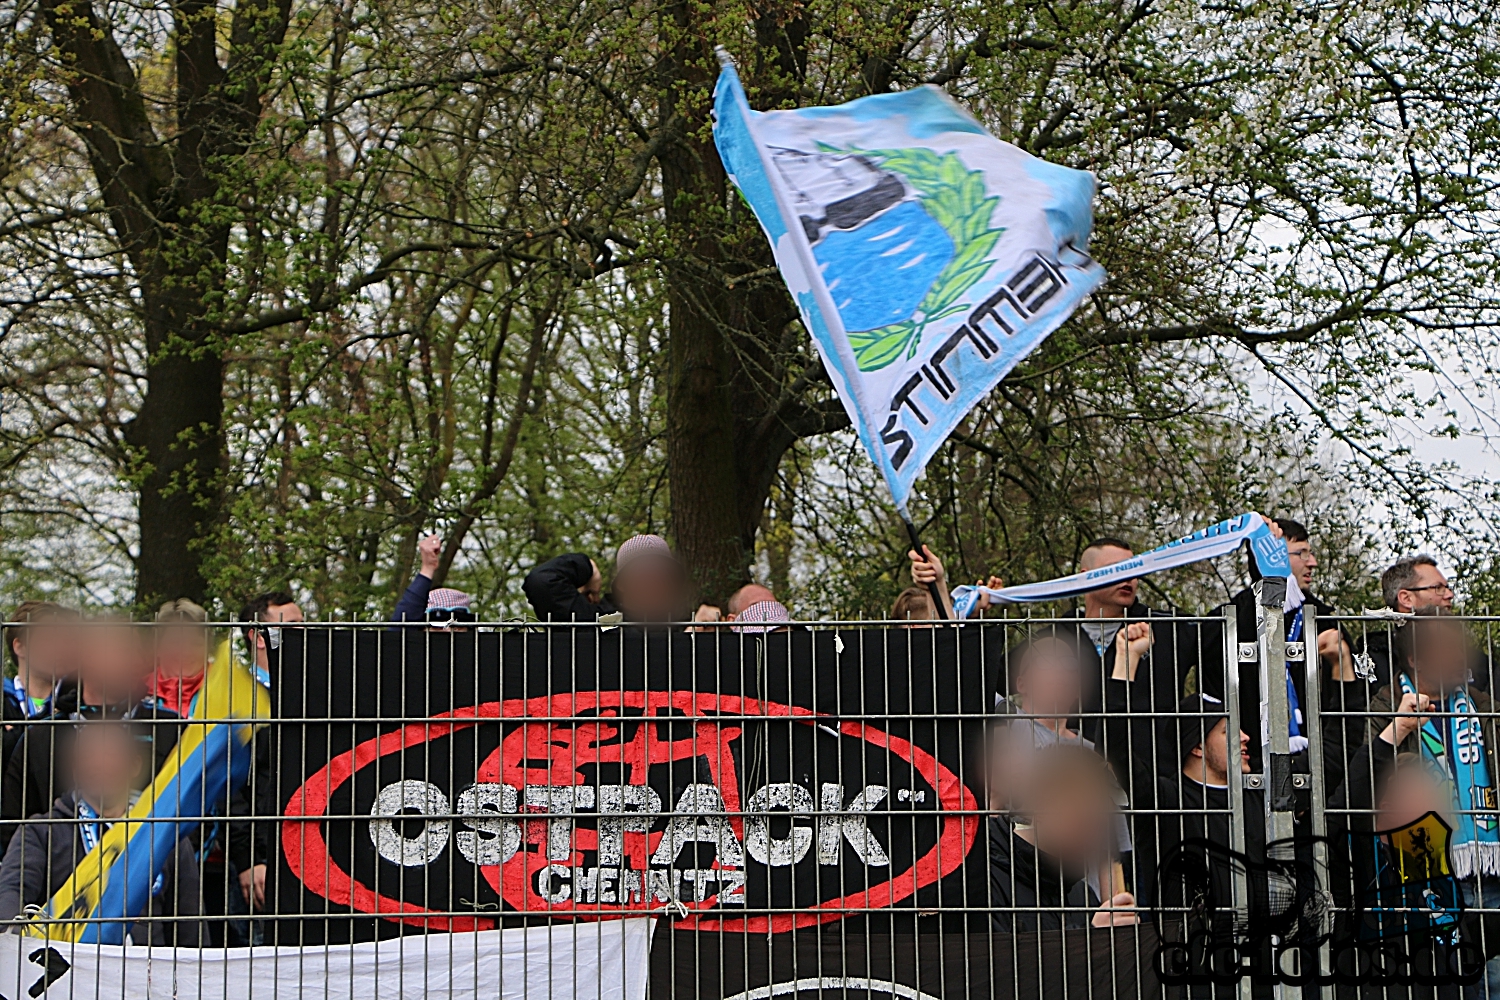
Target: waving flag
113	883
926	256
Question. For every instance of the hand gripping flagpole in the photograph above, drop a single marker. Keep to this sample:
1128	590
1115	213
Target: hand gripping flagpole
932	588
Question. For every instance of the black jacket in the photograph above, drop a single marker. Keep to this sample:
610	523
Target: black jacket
1129	741
1027	887
1182	811
14	718
45	851
38	770
552	589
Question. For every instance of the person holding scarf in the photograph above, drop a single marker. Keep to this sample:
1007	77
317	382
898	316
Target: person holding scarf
1330	644
1458	739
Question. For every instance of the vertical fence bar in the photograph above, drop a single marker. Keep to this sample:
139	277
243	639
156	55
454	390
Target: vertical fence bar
1312	725
1239	882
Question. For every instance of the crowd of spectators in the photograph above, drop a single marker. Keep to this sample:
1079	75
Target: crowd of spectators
1110	750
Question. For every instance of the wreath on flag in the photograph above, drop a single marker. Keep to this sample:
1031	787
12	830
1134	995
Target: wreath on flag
956	199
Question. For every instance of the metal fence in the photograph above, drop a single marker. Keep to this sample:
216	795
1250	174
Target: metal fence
1007	807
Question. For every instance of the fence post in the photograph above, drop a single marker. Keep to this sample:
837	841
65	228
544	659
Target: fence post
1276	749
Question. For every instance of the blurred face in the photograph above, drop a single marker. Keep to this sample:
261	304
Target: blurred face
1073	818
1412	792
1048	682
1441	655
1429	590
106	763
114	663
1300	554
1117	596
181	650
50	648
652	588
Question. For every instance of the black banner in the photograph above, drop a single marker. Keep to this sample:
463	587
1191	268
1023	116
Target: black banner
747	785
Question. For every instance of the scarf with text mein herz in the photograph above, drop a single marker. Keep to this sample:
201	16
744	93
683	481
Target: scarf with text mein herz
1460	752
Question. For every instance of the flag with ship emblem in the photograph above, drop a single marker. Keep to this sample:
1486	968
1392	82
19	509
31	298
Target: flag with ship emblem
926	256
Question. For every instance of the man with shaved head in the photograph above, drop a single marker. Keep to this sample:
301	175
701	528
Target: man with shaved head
750	593
1129	665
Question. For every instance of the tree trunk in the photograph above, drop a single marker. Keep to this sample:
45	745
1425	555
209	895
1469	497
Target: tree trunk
156	192
179	434
701	461
727	358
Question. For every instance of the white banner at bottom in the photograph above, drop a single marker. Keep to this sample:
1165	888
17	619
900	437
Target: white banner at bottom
603	960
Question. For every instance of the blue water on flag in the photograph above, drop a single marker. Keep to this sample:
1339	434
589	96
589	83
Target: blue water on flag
879	272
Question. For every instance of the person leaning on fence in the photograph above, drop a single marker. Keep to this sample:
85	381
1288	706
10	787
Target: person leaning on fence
1434	656
1046	693
750	595
39	651
114	665
1133	663
1053	828
568	587
273	608
107	767
650	585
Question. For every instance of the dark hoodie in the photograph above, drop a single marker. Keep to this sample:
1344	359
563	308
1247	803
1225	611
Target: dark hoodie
38	770
46	849
552	589
1027	886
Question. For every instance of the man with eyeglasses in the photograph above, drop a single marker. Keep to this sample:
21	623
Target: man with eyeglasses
1324	640
1409	587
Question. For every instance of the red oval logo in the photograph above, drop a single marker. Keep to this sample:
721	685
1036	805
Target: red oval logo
596	804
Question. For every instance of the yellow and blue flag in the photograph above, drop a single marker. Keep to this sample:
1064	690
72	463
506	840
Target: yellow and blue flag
112	885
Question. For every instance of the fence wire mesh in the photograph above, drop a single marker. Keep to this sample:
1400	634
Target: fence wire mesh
1007	807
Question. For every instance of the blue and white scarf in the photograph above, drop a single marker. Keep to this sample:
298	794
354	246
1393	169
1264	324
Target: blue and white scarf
91	829
1475	847
1209	543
